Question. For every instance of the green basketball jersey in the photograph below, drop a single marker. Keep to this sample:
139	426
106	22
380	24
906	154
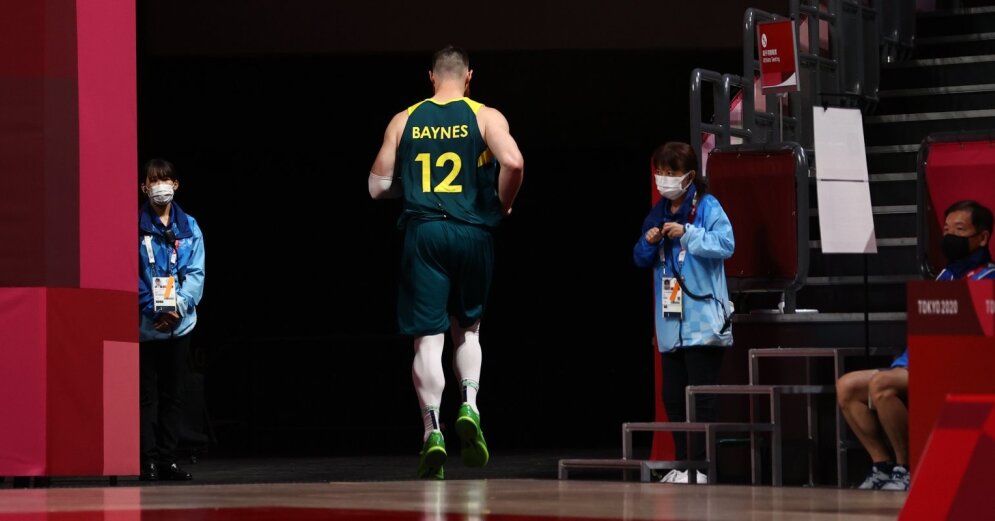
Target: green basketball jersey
445	166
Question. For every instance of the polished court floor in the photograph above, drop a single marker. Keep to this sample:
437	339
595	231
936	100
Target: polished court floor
469	500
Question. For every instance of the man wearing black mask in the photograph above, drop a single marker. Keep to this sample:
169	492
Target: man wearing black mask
874	400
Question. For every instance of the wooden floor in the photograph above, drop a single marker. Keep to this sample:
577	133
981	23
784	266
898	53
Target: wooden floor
468	500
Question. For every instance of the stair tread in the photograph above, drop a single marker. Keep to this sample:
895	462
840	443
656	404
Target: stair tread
930	91
934	62
930	116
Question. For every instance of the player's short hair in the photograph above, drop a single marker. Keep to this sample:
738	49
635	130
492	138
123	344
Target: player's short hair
450	61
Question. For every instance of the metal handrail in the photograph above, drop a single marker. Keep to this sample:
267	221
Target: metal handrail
722	95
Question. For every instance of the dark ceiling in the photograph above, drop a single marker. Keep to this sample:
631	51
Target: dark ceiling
252	27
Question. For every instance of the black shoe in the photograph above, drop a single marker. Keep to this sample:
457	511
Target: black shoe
174	473
150	472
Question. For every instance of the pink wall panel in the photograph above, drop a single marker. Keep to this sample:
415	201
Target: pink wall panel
21	34
80	321
120	394
39	206
68	356
22	140
108	160
61	153
22	381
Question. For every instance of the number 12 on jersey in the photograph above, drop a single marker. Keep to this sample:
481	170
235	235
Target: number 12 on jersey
446	186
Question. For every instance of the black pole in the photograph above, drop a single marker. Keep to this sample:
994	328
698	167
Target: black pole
867	313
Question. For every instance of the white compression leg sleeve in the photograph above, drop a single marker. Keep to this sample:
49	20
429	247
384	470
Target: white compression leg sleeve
467	359
429	380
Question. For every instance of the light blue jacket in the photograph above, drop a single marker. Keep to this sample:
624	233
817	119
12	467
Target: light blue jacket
188	269
708	241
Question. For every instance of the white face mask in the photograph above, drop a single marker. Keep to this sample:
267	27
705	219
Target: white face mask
161	194
671	187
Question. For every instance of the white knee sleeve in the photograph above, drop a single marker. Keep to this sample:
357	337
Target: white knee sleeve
468	356
426	370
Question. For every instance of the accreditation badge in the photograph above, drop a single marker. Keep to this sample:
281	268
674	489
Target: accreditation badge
672	298
164	294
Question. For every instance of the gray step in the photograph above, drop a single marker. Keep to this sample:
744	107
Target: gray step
969	44
887	330
890	260
882	242
938	72
858	280
889	222
899	129
955	22
882	294
761	389
842	298
900	158
895	189
936	99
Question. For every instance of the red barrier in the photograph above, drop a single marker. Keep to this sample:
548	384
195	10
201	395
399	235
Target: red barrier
951	349
953	480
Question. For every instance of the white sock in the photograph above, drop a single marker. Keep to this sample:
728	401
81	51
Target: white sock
429	379
467	360
430	418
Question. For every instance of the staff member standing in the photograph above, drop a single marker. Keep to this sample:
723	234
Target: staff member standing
170	285
685	239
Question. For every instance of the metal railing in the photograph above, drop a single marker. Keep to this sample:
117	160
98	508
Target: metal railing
847	73
722	93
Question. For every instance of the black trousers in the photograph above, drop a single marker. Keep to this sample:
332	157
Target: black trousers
681	368
163	373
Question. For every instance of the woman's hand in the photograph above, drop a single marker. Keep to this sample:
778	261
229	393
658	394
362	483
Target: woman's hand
167	321
673	230
653	235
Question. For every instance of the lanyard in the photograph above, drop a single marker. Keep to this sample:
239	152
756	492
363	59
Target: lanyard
676	264
151	253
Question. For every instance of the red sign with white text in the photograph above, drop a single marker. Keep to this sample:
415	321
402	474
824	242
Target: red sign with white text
956	307
778	56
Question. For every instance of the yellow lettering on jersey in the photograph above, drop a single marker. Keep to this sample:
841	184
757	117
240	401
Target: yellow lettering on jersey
446	186
450	132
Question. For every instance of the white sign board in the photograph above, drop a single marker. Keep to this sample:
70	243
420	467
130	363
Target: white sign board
846	222
839	144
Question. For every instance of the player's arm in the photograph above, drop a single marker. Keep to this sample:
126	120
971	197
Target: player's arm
496	133
382	184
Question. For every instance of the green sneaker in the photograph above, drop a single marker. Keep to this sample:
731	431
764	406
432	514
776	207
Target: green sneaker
433	457
472	445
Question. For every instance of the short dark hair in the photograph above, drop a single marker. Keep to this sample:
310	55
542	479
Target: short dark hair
981	217
681	157
450	61
159	170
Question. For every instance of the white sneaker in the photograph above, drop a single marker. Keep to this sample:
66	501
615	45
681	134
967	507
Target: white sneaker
681	476
875	480
702	479
899	479
674	475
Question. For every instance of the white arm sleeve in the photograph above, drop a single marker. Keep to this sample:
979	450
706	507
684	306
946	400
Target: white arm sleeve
384	187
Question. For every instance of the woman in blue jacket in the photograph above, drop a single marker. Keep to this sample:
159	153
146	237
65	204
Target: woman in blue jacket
685	239
170	285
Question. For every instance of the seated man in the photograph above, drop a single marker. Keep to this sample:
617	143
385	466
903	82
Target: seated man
873	401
